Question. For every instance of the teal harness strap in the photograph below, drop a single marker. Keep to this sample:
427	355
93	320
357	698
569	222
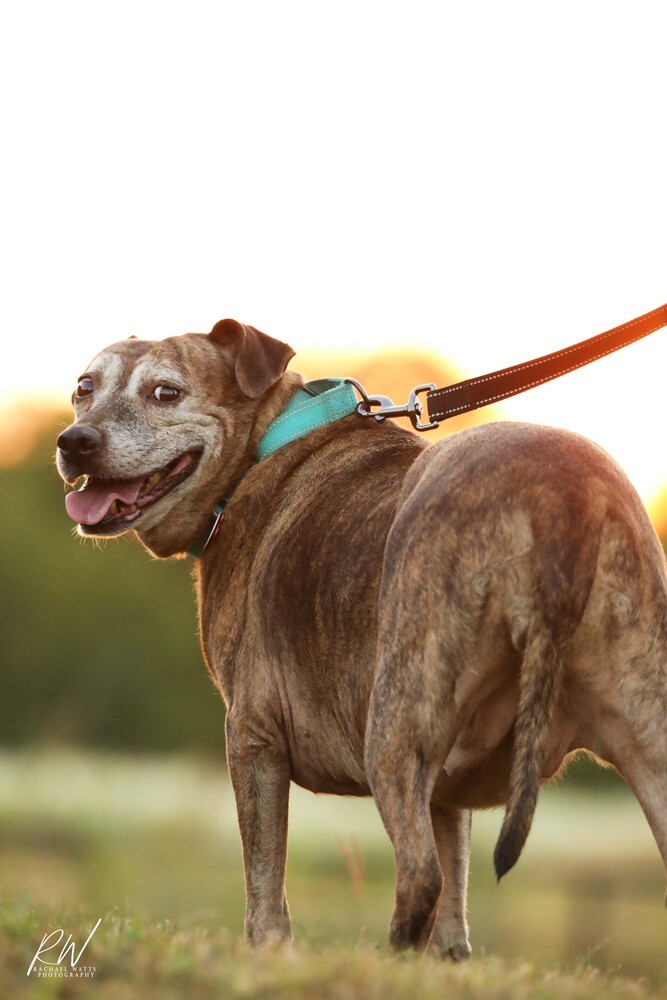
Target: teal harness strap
321	402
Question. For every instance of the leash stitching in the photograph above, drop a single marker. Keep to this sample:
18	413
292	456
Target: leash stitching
547	378
559	354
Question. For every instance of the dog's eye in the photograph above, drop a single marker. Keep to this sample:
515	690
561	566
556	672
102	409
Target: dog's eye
84	387
165	393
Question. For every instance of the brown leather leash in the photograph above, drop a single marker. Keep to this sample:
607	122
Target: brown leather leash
485	389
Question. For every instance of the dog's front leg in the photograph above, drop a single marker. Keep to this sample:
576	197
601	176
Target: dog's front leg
260	775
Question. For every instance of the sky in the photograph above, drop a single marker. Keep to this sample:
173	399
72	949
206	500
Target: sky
484	181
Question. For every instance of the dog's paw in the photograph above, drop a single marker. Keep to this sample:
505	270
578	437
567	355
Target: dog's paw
459	951
455	947
269	935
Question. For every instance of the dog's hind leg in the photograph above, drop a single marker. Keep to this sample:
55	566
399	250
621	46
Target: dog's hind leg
452	836
402	782
650	788
635	741
630	732
629	728
408	736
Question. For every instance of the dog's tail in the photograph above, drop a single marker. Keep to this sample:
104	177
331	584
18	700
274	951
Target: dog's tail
541	670
561	597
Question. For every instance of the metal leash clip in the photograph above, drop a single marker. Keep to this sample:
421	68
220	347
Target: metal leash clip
385	407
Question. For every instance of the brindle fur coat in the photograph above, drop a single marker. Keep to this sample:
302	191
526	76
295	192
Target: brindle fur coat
437	626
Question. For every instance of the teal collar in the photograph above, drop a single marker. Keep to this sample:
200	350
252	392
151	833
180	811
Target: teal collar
319	403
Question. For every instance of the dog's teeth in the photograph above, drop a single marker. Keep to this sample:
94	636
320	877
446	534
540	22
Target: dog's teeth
150	483
114	508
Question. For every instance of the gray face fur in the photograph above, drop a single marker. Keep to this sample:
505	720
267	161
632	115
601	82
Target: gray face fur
142	435
214	380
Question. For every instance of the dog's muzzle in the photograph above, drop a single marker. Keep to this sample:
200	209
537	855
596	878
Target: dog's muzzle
104	504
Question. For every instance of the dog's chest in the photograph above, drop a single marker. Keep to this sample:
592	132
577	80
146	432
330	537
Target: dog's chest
294	682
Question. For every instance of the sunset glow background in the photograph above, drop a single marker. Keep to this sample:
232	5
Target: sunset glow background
482	183
422	190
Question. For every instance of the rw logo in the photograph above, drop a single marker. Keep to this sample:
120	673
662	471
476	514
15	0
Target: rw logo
59	969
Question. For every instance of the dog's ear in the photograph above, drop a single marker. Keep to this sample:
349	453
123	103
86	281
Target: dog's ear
260	360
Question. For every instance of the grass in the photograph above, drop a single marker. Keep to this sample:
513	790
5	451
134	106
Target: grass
152	847
140	959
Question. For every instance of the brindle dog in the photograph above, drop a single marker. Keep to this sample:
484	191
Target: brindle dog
440	627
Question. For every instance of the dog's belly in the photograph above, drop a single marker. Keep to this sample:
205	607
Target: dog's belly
325	762
324	784
475	775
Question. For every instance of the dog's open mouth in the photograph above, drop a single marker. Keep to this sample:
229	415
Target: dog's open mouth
103	506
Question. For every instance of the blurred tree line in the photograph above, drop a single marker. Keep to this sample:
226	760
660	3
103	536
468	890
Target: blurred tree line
99	642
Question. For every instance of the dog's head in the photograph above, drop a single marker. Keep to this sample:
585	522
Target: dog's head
164	428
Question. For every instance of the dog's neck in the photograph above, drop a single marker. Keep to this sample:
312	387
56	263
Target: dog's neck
277	399
299	411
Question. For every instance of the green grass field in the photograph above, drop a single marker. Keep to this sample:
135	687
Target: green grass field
151	846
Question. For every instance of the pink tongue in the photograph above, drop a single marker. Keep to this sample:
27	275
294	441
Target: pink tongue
91	504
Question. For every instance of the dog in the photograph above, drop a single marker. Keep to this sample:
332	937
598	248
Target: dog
439	626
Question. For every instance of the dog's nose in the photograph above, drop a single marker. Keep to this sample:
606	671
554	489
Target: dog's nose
79	442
